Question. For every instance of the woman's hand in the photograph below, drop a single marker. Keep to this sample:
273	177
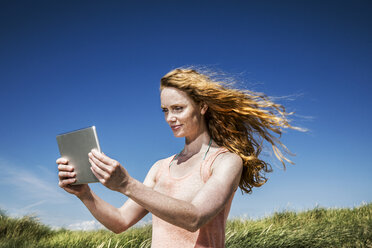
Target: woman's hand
108	171
67	176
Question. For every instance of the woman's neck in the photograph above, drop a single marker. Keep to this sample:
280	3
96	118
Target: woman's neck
197	144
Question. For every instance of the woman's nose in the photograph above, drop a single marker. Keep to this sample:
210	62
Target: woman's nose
170	117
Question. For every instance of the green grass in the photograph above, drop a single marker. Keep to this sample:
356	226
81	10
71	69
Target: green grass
318	227
314	228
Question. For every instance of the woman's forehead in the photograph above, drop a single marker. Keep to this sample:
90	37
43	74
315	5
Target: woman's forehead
173	96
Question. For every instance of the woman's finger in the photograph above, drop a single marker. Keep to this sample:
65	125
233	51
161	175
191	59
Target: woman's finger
100	164
102	157
97	171
99	177
65	182
63	167
62	161
65	174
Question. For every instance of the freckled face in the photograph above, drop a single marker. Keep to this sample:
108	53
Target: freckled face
181	113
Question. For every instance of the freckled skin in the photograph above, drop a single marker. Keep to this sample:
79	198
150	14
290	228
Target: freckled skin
185	117
180	109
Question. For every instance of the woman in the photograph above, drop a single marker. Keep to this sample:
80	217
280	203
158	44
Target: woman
190	193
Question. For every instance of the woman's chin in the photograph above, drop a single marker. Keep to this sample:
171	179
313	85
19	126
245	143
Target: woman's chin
178	134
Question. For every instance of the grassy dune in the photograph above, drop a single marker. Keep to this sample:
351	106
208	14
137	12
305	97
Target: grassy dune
314	228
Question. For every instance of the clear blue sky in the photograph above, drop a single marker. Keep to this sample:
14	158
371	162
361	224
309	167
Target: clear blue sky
65	65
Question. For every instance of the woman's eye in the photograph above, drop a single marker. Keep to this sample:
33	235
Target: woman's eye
178	108
164	110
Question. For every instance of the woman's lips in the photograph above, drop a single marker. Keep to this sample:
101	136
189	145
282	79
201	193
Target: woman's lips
175	127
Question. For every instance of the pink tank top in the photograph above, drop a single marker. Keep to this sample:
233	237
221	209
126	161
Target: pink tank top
166	235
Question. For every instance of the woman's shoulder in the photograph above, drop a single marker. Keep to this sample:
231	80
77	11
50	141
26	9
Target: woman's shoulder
223	155
157	168
223	162
223	152
162	162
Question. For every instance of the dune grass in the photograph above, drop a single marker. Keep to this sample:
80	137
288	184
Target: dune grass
319	227
314	228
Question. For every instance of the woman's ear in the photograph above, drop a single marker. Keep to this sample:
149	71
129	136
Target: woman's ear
203	108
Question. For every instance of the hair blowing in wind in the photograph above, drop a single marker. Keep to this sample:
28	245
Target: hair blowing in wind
240	120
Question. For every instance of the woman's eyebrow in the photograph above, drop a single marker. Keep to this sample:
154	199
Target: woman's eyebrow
173	105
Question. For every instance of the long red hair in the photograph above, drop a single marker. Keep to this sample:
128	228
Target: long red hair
239	120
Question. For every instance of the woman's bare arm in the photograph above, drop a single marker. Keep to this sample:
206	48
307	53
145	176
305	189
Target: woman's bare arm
115	219
208	202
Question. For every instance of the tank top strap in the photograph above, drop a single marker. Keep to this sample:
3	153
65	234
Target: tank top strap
206	167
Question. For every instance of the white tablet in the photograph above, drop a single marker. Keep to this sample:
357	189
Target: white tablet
75	147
